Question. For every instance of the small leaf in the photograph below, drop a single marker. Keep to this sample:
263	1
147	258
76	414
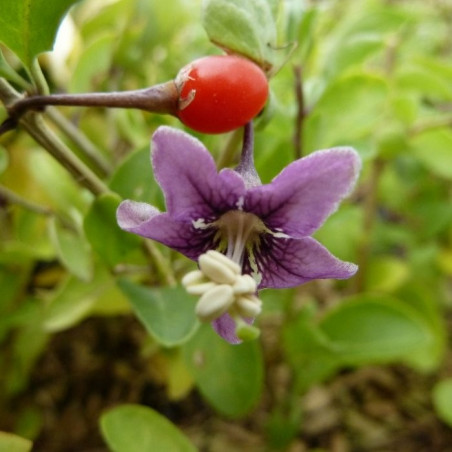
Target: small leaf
74	299
442	400
348	110
434	149
135	428
167	313
309	351
72	250
133	179
93	64
13	443
101	229
247	28
29	27
372	328
228	376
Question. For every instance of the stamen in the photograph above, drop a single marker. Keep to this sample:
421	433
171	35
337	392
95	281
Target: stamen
223	288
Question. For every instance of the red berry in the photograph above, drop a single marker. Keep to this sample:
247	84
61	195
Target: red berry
220	93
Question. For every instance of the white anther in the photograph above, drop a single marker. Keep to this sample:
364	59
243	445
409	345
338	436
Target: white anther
194	277
200	289
216	270
225	260
244	284
249	306
214	303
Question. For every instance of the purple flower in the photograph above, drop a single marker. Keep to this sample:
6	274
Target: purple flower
265	229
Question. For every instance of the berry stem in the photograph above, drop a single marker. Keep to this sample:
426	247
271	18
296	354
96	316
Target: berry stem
160	98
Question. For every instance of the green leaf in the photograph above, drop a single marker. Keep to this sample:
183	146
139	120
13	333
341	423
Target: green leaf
72	249
13	443
354	50
135	428
228	376
374	328
7	72
133	179
29	27
167	313
348	110
366	329
247	28
309	351
434	150
64	192
442	400
386	274
74	299
101	229
341	232
424	81
93	64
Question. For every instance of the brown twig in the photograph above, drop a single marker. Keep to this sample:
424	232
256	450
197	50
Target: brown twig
162	98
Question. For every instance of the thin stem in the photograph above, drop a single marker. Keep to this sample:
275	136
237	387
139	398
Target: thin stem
13	198
425	126
370	212
35	126
246	166
300	117
162	266
160	98
38	78
80	140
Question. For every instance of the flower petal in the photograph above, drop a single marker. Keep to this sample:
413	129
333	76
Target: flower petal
188	176
306	192
147	221
291	262
225	327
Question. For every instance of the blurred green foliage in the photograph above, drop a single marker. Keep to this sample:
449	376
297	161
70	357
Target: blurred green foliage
375	74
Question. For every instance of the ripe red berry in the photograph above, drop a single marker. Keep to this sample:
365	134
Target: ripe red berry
220	93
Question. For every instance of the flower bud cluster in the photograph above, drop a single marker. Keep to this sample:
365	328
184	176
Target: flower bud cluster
223	288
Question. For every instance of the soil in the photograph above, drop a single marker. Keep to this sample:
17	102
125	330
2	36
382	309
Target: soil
99	364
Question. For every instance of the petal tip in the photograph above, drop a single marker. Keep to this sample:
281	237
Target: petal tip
131	214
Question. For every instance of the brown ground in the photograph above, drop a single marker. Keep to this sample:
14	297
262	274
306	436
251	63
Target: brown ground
98	364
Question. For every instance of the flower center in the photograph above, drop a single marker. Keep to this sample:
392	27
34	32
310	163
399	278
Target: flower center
240	230
224	289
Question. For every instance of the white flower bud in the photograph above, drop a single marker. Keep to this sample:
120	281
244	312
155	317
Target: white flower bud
214	302
216	269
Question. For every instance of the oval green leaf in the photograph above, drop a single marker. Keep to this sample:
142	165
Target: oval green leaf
13	443
372	328
167	313
247	28
135	428
72	249
228	376
101	229
442	400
